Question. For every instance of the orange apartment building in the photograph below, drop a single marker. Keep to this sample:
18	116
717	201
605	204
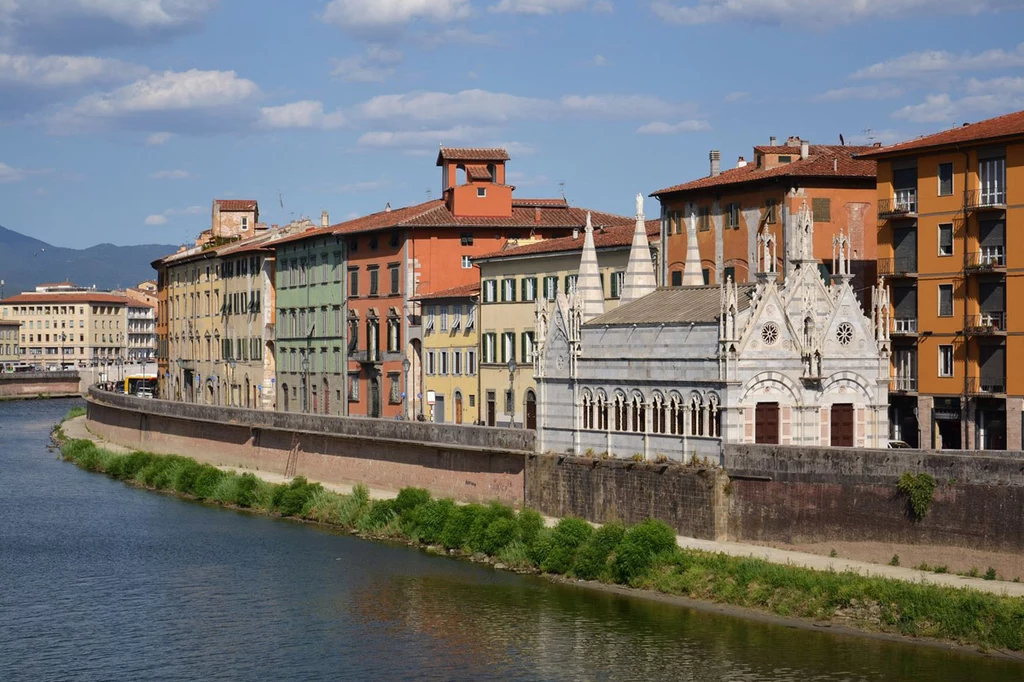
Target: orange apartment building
946	204
396	255
732	206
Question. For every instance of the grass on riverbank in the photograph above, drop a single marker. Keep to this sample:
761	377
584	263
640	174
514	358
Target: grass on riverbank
644	555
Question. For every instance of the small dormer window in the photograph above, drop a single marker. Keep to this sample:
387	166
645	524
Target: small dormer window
481	191
785	159
245	223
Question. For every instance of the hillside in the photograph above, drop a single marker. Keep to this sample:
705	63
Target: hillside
26	262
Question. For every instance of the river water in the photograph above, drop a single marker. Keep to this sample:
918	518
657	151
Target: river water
100	581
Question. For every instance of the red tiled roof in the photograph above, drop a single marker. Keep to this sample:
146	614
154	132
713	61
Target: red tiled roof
66	298
824	161
778	149
236	204
58	284
478	172
1007	125
471	154
619	235
10	323
463	291
539	202
435	213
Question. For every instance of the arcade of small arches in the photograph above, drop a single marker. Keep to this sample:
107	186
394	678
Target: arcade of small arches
698	414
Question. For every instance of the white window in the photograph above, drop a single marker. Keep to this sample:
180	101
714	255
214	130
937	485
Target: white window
945	239
490	290
245	223
444	318
945	361
945	179
467	262
481	191
471	316
431	366
945	300
508	346
456	316
428	325
529	288
471	362
442	364
489	347
550	287
508	290
992	176
527	347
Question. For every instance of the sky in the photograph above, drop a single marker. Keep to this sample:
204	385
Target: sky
121	120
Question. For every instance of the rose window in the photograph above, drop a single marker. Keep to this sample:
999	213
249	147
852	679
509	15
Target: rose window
770	333
844	333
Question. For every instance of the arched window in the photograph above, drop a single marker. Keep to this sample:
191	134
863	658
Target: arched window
621	413
658	413
714	417
696	415
639	414
588	410
676	416
602	411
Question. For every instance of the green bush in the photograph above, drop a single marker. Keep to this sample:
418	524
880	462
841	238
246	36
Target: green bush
918	489
428	520
640	544
459	524
188	474
130	465
207	481
477	538
380	514
568	535
592	558
516	555
539	549
247	490
530	524
227	489
501	533
410	498
74	449
354	507
292	499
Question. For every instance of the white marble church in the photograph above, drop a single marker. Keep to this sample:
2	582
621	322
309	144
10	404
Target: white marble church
678	372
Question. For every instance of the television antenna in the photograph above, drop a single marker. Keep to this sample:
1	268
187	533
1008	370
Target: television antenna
869	134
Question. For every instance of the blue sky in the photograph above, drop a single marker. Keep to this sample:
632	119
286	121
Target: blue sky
120	120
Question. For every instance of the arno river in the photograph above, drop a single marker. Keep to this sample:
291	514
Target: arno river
99	581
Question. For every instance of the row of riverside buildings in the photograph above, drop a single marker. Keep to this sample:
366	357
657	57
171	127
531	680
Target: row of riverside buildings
62	325
815	294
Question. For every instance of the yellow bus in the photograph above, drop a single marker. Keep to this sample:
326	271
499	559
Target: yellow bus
143	385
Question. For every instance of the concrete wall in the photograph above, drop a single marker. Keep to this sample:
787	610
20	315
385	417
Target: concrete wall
822	494
690	499
463	462
32	384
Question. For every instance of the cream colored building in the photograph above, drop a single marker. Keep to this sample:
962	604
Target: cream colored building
70	326
511	281
450	357
10	341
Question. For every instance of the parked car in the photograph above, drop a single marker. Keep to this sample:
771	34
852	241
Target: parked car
896	444
144	393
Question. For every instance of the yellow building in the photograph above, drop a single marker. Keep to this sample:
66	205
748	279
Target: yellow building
511	280
450	353
9	342
947	205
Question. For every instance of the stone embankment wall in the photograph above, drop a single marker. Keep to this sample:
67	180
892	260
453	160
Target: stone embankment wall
796	495
34	384
473	464
690	499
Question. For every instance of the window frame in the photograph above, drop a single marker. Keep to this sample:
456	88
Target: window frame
938	179
952	243
952	306
945	348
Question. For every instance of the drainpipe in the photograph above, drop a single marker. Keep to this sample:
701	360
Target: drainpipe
964	412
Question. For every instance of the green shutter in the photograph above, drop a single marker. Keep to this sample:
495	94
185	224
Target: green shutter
615	285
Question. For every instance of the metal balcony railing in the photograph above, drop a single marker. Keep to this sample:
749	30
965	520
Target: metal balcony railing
986	385
903	204
897	267
987	323
904	326
980	200
990	258
903	384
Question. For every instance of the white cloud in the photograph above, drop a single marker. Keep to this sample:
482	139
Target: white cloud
661	128
521	179
376	66
599	60
162	218
864	92
539	6
991	98
738	96
816	12
190	100
1005	84
59	71
929	62
389	14
515	149
411	138
155	219
158	139
358	187
307	114
176	174
76	25
453	35
9	174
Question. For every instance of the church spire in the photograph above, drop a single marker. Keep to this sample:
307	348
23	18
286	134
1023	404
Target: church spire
588	284
692	274
639	280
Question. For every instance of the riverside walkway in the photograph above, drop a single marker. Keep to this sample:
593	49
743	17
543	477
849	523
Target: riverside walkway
76	428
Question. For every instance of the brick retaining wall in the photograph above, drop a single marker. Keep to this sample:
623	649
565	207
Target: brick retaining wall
32	384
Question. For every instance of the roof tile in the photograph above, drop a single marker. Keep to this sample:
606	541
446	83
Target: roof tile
992	128
471	154
618	235
236	204
678	305
462	291
98	297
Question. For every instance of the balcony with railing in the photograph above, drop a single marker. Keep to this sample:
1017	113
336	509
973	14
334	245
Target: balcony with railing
986	385
904	326
987	324
903	384
902	205
986	199
989	259
903	266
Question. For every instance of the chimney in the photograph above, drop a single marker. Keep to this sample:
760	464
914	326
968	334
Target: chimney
536	215
325	219
771	141
387	207
793	141
835	165
575	233
741	162
716	162
805	149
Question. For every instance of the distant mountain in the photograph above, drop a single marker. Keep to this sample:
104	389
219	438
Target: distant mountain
26	262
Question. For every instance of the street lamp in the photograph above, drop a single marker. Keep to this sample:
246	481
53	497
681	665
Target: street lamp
305	381
63	338
405	387
231	388
510	399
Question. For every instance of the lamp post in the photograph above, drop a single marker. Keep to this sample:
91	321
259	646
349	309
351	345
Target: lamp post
305	381
63	338
405	387
181	379
231	387
511	397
